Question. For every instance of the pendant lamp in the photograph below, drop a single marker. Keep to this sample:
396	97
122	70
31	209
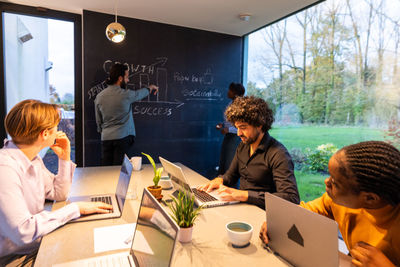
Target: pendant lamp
115	32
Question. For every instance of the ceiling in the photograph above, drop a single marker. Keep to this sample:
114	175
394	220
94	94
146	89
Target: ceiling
212	15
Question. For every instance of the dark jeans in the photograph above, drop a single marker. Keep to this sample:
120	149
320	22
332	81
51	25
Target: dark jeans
228	150
15	260
112	151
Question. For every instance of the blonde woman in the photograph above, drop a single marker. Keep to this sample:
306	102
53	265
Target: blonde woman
25	182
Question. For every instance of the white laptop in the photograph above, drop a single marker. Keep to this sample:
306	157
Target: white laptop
208	200
117	200
302	237
153	246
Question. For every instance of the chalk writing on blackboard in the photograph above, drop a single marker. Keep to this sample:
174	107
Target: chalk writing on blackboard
205	78
140	76
206	93
144	71
152	111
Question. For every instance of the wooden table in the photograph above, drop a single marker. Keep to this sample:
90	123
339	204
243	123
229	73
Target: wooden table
210	245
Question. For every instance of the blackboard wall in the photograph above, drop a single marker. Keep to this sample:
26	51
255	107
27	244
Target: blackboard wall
193	69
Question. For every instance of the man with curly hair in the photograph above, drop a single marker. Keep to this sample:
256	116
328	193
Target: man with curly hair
261	163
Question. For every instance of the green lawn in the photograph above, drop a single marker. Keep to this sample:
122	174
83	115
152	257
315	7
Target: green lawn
313	136
311	185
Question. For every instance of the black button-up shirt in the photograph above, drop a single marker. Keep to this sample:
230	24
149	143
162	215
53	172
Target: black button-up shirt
269	169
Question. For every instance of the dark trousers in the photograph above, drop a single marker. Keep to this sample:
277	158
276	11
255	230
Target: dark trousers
112	151
15	260
228	150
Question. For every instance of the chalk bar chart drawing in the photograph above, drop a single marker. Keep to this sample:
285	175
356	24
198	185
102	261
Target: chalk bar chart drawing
162	83
141	76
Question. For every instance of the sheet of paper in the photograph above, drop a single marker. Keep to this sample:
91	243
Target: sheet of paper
113	237
119	237
141	244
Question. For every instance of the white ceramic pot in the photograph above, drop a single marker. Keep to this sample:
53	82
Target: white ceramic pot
185	234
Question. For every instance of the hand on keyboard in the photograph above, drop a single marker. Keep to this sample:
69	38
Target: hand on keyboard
211	185
232	194
86	208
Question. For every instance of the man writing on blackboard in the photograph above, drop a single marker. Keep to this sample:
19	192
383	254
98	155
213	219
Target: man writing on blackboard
114	119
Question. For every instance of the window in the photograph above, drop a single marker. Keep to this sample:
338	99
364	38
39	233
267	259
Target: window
330	73
40	61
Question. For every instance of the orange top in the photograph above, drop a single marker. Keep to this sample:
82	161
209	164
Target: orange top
378	227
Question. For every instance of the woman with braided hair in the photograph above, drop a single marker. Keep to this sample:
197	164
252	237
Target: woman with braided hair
363	197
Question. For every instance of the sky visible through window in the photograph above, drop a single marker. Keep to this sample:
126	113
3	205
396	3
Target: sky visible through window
61	53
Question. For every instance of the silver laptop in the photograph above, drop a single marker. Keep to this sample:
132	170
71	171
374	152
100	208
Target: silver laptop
302	237
117	200
153	246
208	200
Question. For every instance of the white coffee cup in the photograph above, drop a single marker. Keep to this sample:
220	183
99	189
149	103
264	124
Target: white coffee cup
136	163
239	233
165	182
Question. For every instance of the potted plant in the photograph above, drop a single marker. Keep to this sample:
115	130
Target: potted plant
155	189
184	214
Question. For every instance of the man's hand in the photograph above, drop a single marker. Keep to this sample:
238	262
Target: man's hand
368	256
62	147
86	208
263	233
231	194
224	131
154	88
211	185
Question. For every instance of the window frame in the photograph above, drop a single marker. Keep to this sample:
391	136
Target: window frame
58	15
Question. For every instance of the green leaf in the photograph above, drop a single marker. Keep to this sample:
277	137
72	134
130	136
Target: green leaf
151	161
182	209
157	176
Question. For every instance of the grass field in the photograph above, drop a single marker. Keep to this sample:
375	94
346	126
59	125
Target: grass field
313	136
311	185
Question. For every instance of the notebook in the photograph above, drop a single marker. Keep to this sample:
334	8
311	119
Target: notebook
208	200
302	237
117	200
156	249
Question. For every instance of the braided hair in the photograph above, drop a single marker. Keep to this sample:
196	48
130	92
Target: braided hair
376	167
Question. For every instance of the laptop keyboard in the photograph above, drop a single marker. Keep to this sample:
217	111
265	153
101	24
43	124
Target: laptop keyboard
104	199
112	260
203	196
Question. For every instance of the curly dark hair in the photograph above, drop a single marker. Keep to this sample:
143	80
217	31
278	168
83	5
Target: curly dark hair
376	168
237	89
252	110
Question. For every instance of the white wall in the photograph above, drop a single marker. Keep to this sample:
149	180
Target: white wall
25	63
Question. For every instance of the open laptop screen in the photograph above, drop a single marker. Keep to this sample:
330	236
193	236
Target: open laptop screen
159	232
123	182
176	174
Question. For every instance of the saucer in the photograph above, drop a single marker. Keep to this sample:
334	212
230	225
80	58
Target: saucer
159	198
236	246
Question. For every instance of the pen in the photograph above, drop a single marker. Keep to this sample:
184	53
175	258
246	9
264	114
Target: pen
267	248
128	239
